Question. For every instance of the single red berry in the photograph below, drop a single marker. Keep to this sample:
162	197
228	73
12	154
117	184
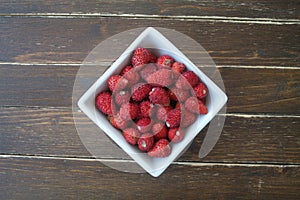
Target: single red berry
131	74
162	111
126	69
178	67
116	82
176	135
146	109
160	149
173	118
187	80
177	94
117	121
140	56
144	125
159	95
147	70
162	77
146	142
159	131
131	135
121	97
129	111
187	119
193	104
104	103
201	90
140	91
165	61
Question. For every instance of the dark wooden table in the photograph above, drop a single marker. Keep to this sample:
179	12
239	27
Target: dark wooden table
256	46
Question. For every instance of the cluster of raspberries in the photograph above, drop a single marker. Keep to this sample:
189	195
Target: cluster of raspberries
152	101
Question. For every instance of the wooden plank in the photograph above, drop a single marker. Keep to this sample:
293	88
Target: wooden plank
52	132
50	178
274	91
69	40
237	8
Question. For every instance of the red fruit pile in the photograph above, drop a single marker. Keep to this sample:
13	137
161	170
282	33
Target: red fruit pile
152	101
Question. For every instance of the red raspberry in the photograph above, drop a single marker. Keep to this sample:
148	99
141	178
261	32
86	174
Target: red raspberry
131	135
144	125
201	90
176	135
147	70
140	91
187	80
159	131
187	119
159	95
178	67
104	103
195	105
146	109
160	149
129	111
116	82
162	77
117	121
165	61
146	142
162	112
177	94
140	56
121	97
173	118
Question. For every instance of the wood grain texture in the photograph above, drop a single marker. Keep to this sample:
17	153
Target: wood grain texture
273	91
69	40
61	179
51	132
237	8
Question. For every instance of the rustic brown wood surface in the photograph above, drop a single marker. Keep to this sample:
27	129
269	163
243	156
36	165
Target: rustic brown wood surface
255	45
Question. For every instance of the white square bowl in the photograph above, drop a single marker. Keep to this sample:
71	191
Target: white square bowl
151	38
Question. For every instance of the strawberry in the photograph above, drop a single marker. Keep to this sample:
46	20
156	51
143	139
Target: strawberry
177	94
140	56
159	95
173	118
159	131
104	103
129	111
116	82
140	91
153	58
131	135
144	125
195	105
160	149
126	69
201	90
178	67
187	119
146	70
162	77
121	97
176	135
131	74
146	141
187	80
162	112
117	121
165	61
146	109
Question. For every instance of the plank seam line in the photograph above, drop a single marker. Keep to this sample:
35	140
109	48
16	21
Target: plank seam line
109	63
242	115
225	19
194	164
